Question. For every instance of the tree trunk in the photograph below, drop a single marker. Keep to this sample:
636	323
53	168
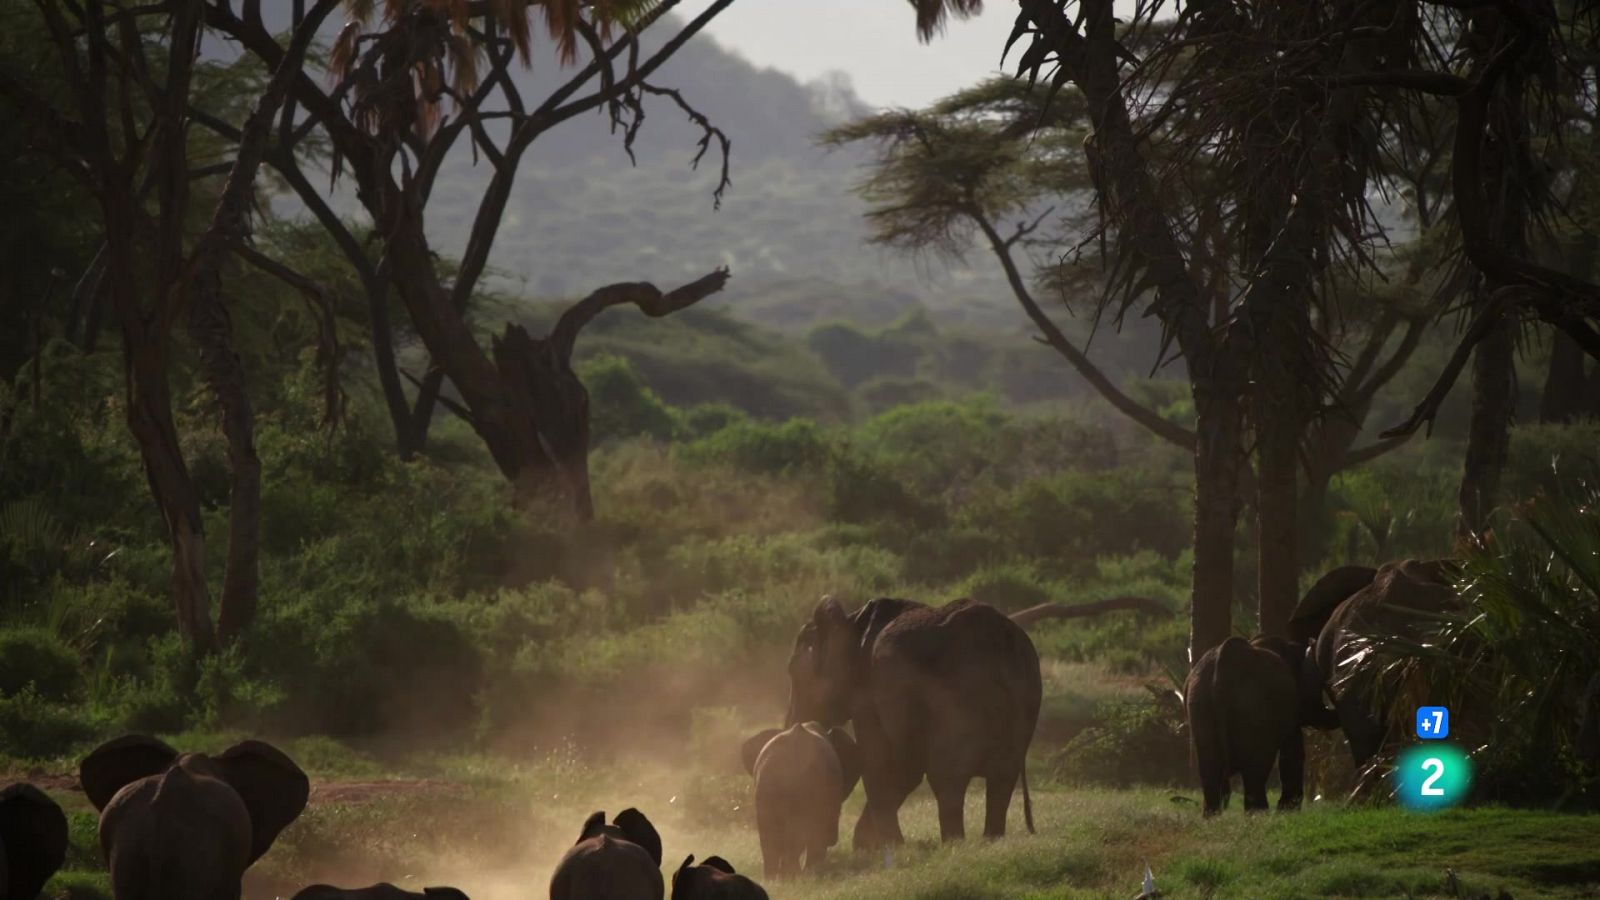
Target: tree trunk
1217	458
1566	390
1488	437
1506	176
409	435
1278	521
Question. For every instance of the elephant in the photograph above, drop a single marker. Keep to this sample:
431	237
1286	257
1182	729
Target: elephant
620	861
33	841
1343	608
803	775
383	891
188	825
949	693
1242	703
713	879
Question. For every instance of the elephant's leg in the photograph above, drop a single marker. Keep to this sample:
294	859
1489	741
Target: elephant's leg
1214	788
879	825
816	856
1255	787
1292	769
950	791
997	790
771	852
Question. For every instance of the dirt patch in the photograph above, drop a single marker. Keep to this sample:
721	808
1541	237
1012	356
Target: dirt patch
347	793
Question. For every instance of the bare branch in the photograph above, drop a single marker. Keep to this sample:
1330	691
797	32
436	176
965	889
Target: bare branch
642	294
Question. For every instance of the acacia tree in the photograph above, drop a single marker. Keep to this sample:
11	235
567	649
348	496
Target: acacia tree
404	90
1286	108
952	175
119	124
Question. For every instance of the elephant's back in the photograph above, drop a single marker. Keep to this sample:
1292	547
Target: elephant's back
799	760
175	835
965	638
603	868
1388	606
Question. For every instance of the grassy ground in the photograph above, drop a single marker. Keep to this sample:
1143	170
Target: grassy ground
494	830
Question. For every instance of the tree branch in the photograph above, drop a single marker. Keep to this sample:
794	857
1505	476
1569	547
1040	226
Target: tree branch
642	294
1142	605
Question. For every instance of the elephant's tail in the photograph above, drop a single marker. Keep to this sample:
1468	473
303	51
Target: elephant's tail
1027	801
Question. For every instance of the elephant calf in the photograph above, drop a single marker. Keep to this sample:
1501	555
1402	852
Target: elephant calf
803	775
33	841
1242	700
620	861
383	891
188	826
713	879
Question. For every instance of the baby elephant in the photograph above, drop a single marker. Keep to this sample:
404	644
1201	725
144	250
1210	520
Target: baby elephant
1242	700
713	879
803	775
33	841
383	891
620	861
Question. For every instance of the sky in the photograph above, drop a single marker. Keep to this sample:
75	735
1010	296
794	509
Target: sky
872	41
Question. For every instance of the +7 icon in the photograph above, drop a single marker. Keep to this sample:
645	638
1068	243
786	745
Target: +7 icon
1433	722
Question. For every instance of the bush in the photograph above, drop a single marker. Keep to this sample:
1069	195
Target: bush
620	405
1133	742
32	727
796	445
36	657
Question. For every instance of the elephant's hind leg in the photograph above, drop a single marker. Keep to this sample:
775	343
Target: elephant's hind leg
1292	770
950	791
998	788
1255	787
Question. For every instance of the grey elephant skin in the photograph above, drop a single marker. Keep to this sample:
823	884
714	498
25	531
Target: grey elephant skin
188	825
803	775
1344	607
383	891
33	841
713	879
620	861
1242	702
949	693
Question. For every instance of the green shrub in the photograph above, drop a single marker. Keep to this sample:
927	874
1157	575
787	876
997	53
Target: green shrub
620	405
32	727
36	657
794	446
1010	586
1138	741
863	490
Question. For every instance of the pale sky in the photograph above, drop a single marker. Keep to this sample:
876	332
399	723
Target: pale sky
873	41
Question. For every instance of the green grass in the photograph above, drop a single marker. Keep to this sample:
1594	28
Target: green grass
494	829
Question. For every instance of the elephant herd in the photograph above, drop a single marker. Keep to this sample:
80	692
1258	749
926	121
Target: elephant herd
944	694
1248	702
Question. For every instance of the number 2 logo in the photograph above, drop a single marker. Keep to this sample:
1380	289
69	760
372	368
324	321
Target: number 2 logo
1436	766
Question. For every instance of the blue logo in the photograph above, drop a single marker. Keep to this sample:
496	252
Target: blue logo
1433	723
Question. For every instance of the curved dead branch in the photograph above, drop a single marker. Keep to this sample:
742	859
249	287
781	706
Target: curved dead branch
1141	605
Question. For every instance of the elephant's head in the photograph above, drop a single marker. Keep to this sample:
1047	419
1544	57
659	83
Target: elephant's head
33	840
831	656
823	669
629	825
273	789
844	749
713	878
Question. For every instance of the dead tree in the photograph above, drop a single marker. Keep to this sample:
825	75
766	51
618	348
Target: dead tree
385	119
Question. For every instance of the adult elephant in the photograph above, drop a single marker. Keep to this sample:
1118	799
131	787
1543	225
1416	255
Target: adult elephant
949	693
188	825
33	841
1241	702
1339	615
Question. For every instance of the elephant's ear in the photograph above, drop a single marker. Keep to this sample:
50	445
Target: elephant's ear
1319	603
319	892
592	826
638	829
751	749
718	863
446	893
119	762
33	840
272	787
844	747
